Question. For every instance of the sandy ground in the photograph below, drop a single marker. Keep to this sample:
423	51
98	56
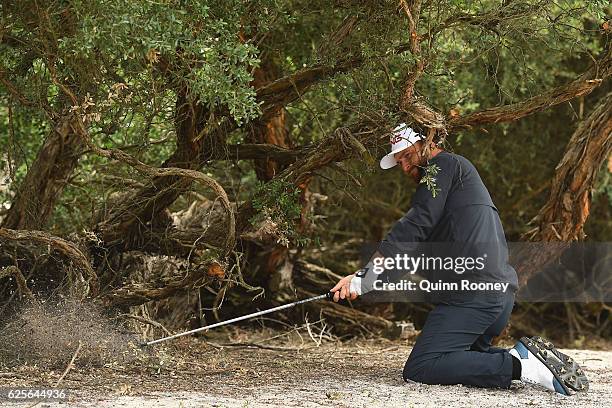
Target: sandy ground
356	374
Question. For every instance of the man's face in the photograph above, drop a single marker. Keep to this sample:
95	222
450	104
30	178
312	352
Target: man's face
409	159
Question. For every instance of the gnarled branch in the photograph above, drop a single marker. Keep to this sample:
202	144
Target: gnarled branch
583	85
134	294
563	216
71	251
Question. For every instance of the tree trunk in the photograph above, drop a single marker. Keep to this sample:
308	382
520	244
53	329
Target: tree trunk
271	131
563	216
45	179
199	141
273	265
125	222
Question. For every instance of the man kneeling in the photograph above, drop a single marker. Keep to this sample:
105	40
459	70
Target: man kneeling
455	344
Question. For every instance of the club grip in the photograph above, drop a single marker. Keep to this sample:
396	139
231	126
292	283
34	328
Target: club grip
330	297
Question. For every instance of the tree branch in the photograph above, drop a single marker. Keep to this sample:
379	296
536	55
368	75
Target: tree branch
563	216
283	91
134	294
254	151
70	250
583	85
14	91
419	66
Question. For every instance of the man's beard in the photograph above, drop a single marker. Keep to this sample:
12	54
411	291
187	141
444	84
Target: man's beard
415	174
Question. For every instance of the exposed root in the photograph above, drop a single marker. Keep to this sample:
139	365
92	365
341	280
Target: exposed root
21	281
162	287
84	287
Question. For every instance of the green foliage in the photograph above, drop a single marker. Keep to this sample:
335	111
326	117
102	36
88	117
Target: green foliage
101	43
429	179
131	57
131	60
278	202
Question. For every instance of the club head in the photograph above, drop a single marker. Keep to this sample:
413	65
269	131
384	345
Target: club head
143	345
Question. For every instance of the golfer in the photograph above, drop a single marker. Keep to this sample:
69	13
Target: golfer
455	344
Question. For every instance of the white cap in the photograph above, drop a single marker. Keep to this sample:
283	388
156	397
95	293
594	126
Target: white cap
402	138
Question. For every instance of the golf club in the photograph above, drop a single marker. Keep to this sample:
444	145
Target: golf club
328	296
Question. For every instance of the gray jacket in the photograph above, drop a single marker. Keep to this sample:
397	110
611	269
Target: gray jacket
461	220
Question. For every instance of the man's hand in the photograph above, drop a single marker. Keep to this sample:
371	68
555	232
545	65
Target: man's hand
343	289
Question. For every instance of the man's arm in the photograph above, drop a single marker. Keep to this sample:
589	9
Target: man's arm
414	227
417	224
425	212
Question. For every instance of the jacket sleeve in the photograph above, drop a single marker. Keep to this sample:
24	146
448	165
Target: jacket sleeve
425	212
420	220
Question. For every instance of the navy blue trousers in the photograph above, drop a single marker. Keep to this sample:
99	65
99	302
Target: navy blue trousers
454	346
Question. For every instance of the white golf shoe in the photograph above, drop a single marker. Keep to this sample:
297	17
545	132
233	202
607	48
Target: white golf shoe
544	365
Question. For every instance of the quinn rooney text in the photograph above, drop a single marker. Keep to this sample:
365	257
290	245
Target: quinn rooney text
440	286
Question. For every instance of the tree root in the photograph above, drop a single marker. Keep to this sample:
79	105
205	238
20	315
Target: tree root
86	287
134	294
21	281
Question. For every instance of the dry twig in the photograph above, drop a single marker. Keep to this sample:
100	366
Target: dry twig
70	365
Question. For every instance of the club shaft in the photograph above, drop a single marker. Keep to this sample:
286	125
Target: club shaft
237	319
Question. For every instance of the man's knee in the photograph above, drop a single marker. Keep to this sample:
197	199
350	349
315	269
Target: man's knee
415	370
410	374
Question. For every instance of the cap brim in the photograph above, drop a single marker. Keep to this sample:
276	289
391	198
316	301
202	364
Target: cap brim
388	161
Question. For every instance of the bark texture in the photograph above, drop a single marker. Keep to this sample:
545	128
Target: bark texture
46	178
563	216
